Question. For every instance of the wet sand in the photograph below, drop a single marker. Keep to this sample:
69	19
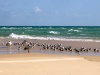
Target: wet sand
73	44
46	63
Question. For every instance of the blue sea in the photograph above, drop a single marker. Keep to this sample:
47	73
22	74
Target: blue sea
65	33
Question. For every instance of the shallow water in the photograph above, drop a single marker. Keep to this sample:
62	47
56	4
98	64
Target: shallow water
14	50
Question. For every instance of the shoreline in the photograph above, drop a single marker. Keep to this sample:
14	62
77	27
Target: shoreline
73	44
40	55
49	38
47	62
36	50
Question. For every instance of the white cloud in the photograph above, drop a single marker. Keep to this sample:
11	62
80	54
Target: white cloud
37	10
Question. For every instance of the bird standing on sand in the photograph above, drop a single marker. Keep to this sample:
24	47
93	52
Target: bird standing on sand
19	48
28	47
24	43
8	44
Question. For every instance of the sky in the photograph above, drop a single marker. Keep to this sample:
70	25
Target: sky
50	12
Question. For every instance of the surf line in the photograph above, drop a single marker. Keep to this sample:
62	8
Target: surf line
39	60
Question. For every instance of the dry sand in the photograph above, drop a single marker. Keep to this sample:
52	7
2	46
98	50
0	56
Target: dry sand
47	64
50	64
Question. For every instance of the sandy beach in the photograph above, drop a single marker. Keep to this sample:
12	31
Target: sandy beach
49	62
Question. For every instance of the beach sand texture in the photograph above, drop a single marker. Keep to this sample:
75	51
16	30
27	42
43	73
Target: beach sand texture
50	64
47	64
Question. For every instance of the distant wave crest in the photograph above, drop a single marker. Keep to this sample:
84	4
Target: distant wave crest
53	32
15	36
16	28
73	30
12	35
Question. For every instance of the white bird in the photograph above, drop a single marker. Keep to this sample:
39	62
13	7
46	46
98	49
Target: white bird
8	44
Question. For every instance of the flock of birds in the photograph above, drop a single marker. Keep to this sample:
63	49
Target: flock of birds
27	46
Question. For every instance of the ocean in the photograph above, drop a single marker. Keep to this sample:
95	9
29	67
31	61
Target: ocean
65	33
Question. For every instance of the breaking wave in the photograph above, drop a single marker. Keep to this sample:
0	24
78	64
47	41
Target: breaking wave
53	32
73	30
16	36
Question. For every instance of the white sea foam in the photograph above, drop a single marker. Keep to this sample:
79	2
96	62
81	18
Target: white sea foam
12	35
53	32
15	36
7	28
70	30
3	28
10	28
16	28
29	30
27	27
77	30
73	30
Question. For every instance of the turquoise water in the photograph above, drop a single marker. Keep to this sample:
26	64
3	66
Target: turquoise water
88	33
